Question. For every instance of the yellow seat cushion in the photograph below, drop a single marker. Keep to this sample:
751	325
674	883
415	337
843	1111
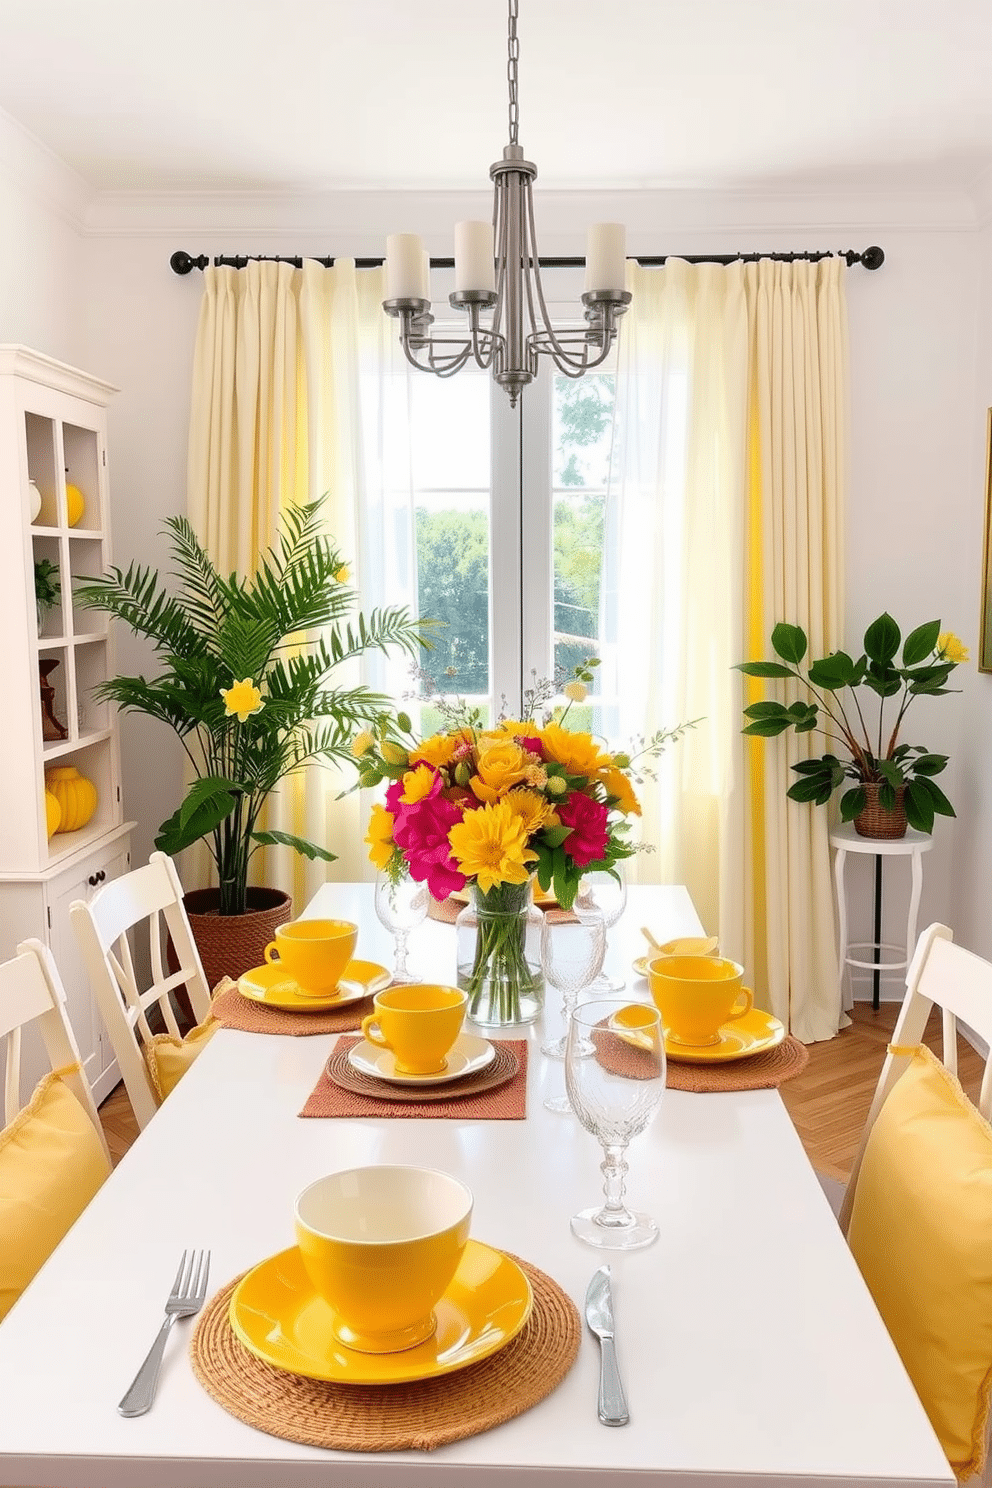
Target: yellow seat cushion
921	1232
169	1058
51	1165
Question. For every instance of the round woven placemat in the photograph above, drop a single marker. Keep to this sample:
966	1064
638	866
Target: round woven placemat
502	1068
757	1072
390	1418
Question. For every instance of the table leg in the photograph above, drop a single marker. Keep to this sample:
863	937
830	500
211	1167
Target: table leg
876	976
839	861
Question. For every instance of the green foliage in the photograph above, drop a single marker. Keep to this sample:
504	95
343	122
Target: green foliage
285	629
46	583
874	754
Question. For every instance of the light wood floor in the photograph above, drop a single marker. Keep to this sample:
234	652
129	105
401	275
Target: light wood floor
828	1102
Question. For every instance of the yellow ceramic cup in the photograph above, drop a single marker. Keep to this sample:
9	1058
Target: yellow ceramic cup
381	1245
696	995
314	952
419	1023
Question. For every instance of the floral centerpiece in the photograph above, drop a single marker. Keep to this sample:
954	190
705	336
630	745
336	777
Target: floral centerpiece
886	773
492	808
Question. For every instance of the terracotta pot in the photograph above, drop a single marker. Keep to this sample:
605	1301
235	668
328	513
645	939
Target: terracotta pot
230	945
881	822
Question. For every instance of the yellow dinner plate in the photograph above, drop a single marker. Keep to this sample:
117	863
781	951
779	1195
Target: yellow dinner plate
271	985
752	1034
277	1315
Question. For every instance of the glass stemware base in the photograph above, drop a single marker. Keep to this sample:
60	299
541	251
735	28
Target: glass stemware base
598	1227
560	1104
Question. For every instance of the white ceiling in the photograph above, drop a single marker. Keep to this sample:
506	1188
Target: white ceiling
312	95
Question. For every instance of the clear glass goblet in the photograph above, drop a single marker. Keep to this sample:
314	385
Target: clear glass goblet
572	950
605	891
615	1078
400	907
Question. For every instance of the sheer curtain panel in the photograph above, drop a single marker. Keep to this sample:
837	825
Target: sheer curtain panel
726	511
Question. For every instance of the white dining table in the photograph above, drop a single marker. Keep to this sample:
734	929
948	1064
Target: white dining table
750	1348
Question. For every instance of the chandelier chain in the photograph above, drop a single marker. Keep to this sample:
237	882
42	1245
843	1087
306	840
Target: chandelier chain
513	57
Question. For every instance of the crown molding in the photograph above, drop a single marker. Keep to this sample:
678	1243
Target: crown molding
43	175
359	220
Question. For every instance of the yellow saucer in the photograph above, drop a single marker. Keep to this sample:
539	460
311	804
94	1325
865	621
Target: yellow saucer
276	1313
271	985
752	1034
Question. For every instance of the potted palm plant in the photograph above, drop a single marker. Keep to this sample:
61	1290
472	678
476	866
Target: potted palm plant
245	685
889	782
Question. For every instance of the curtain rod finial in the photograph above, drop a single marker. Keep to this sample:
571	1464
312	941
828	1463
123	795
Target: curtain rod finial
184	263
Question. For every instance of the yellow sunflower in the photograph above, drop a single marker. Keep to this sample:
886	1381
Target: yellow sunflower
533	809
244	699
490	845
380	836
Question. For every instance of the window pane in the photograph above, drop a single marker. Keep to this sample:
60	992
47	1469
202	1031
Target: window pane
582	438
450	436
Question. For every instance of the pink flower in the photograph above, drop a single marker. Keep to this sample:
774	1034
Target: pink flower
532	745
586	842
421	831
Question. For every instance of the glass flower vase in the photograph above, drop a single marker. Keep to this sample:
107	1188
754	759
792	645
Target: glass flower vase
499	955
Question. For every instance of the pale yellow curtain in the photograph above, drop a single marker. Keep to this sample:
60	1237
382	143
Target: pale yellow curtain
731	395
777	897
275	421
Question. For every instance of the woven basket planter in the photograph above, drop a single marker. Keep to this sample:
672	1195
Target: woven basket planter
881	822
230	945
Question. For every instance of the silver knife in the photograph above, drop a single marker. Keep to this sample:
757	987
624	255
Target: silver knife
599	1315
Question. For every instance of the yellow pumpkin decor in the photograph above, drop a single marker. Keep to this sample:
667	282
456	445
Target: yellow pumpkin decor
75	503
53	813
75	795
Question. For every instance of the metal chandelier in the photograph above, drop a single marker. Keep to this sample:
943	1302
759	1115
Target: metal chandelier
497	269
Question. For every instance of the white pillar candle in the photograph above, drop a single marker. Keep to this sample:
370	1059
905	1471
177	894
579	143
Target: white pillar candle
425	276
606	254
474	256
405	267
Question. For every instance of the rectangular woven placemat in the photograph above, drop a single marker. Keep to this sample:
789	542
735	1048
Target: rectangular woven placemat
505	1103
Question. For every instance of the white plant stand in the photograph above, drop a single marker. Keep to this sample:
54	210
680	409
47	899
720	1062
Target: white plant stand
844	839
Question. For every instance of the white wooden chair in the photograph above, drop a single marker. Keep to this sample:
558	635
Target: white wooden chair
941	974
31	991
144	901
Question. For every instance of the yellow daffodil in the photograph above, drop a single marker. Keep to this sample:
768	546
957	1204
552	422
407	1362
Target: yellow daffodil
490	844
439	749
500	767
362	743
950	648
243	698
577	692
417	784
579	753
380	836
342	574
621	792
534	810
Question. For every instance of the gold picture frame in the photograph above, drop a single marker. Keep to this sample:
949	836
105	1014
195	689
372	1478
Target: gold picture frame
985	619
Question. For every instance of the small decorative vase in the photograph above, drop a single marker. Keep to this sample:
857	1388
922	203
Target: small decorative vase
881	822
75	794
499	955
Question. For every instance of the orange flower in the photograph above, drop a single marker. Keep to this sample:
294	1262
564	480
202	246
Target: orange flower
578	753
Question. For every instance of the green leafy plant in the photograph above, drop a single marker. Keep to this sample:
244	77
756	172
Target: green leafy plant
245	679
839	686
46	583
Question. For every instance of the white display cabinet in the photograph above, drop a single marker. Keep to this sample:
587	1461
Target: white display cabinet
53	433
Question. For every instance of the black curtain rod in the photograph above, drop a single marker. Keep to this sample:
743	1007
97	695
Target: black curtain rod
872	258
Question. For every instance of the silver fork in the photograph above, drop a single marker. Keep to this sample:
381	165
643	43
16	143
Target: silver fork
185	1300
